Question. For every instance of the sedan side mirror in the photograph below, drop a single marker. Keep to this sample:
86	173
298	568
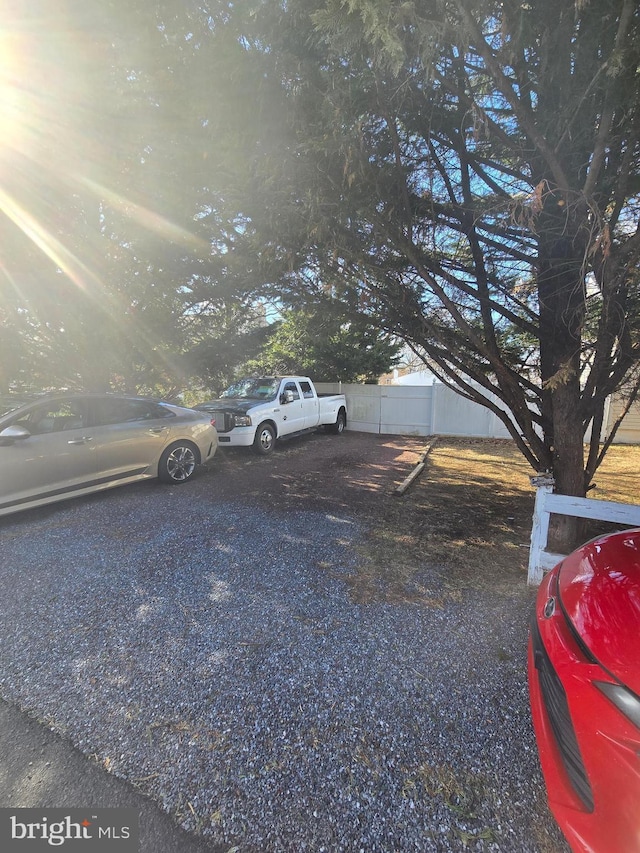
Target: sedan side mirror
13	433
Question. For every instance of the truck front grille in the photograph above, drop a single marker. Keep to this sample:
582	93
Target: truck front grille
224	421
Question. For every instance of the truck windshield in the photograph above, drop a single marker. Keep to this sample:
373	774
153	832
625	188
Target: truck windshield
263	388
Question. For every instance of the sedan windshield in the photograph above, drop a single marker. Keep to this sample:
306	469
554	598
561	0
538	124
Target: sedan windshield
262	388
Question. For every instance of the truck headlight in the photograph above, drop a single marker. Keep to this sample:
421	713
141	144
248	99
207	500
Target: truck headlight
241	420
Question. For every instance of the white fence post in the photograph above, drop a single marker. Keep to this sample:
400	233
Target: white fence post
544	484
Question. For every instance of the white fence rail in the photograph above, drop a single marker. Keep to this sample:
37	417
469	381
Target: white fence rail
547	503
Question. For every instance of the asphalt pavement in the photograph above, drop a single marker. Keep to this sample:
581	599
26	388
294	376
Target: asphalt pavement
41	769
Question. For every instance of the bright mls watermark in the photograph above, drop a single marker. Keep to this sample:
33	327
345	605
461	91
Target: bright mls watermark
69	830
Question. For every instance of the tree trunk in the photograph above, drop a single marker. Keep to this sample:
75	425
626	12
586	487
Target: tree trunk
562	306
567	532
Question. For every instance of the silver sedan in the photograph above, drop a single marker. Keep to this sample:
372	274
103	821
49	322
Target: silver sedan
65	445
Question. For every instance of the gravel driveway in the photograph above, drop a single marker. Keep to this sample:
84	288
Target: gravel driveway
202	643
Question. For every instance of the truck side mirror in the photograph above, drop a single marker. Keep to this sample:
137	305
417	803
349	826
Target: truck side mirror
286	397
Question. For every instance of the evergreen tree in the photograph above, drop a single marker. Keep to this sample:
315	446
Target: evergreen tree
466	172
321	344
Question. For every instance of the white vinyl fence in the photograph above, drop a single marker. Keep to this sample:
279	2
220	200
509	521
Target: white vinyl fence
415	410
437	410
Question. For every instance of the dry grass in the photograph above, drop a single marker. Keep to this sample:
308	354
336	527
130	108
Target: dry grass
618	479
468	516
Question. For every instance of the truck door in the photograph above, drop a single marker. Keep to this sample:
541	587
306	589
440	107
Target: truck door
310	405
291	413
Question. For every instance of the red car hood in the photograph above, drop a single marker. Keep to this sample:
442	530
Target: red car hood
599	587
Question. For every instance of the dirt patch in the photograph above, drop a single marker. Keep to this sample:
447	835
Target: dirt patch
466	518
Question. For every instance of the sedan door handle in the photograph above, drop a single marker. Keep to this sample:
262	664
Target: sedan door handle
84	440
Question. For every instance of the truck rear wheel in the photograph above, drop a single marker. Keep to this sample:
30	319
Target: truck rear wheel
265	439
339	426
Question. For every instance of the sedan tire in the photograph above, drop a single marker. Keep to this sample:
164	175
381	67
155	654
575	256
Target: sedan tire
178	462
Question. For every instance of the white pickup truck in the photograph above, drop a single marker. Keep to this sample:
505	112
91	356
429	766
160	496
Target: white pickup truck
258	411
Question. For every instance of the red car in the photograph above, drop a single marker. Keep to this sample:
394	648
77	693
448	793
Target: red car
584	687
